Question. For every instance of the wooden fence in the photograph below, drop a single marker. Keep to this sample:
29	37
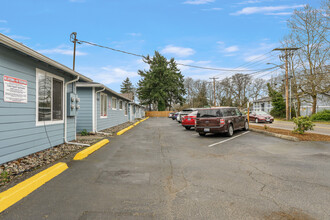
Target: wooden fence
157	113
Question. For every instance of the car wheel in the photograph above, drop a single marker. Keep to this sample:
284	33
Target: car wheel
187	128
201	134
270	122
246	126
230	131
257	120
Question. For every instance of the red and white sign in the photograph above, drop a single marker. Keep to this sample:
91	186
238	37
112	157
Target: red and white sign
14	90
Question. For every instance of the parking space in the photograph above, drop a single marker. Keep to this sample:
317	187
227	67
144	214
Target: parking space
159	170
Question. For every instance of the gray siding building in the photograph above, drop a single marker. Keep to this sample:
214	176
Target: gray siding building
33	95
101	107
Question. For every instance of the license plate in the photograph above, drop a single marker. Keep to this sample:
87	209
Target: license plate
206	130
189	119
267	119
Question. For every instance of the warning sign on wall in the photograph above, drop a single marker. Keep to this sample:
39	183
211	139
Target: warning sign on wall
14	89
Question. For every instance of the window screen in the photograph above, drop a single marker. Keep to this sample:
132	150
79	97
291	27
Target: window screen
57	99
44	97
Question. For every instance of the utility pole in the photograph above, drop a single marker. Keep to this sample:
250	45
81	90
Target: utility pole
214	78
73	39
285	58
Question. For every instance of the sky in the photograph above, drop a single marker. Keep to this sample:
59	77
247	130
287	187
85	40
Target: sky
210	33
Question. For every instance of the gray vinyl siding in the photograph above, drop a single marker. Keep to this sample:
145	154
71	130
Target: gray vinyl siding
85	113
19	135
115	117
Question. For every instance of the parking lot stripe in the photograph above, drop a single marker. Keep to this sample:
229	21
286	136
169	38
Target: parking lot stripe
211	145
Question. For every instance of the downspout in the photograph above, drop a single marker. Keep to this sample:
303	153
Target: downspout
96	131
66	113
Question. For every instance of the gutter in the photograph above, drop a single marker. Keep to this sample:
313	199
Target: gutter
66	113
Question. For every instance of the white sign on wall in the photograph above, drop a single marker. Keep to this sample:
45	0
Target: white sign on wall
14	89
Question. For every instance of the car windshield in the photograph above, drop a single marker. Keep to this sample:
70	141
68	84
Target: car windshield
209	113
194	113
261	113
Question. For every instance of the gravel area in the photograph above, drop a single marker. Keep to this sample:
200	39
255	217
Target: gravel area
16	171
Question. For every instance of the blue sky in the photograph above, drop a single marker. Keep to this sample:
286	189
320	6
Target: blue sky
211	33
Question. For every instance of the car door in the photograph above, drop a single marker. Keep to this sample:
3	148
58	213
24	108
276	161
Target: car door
240	117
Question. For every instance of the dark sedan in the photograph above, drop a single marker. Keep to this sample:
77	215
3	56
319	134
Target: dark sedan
260	116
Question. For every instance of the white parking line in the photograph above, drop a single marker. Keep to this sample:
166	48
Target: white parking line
211	145
195	134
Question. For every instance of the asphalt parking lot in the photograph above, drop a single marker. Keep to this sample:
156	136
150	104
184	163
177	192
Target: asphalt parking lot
159	170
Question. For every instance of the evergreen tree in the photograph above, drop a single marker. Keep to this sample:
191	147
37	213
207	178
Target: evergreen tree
127	87
278	102
161	85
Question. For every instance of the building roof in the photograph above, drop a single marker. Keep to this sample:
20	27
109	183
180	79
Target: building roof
264	99
95	84
8	42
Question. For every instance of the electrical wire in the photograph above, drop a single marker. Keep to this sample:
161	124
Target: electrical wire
181	64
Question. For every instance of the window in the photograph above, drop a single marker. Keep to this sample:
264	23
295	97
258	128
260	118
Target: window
126	108
121	105
49	98
104	105
114	103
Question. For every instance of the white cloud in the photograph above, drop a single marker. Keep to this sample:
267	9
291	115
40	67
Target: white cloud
178	51
231	49
249	2
266	9
64	50
5	30
18	37
212	9
3	21
108	74
135	34
279	13
198	2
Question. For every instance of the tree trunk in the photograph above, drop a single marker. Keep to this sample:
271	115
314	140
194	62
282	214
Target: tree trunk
298	106
314	97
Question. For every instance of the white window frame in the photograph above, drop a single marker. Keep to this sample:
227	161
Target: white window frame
106	104
112	103
51	122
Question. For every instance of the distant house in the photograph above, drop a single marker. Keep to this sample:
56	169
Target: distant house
34	91
323	102
101	107
264	104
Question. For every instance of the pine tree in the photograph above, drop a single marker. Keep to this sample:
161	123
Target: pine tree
127	87
278	102
161	85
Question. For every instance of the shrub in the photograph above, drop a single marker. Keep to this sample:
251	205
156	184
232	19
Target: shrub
84	133
4	177
303	124
321	116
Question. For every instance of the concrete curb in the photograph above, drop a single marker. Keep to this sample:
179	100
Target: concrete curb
84	153
130	127
21	190
286	137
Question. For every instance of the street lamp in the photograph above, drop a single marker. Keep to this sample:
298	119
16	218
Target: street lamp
280	66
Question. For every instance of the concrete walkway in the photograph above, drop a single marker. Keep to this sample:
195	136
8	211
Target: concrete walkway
318	128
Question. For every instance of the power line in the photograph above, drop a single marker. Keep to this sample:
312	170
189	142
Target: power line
181	64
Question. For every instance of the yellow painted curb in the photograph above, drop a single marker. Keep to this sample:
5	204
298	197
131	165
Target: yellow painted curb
84	153
21	190
124	130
